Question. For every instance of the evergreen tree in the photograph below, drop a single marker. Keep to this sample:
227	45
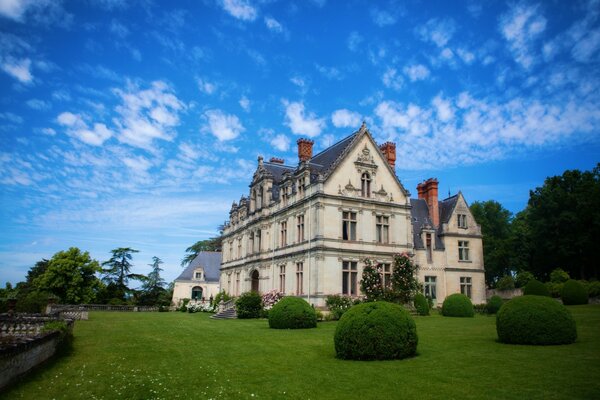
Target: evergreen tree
118	274
154	285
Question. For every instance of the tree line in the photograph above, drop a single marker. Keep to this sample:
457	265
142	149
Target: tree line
73	277
558	229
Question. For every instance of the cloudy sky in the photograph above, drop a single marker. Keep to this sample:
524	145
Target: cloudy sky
137	123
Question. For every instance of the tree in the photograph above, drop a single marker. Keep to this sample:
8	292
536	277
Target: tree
371	281
404	281
212	244
118	274
563	217
154	284
495	223
70	275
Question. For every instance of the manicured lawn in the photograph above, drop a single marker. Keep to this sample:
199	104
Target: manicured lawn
189	356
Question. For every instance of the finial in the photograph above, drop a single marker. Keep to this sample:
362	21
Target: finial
363	126
260	160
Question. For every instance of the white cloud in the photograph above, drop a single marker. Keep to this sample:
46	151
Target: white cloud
382	18
329	72
281	142
222	126
300	122
443	108
38	104
18	69
392	80
298	81
205	86
273	25
245	103
240	9
416	72
118	29
345	118
48	131
70	120
42	12
78	128
521	26
14	118
467	56
354	41
138	164
436	31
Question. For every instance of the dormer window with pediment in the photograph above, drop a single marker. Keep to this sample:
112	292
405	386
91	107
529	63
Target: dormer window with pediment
199	274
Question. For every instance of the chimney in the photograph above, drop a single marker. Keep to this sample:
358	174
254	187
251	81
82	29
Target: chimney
275	160
389	151
305	149
428	191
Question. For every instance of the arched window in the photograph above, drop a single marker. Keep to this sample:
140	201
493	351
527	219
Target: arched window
365	185
196	293
255	277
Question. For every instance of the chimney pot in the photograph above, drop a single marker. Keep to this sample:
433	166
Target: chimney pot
428	191
389	151
305	149
275	160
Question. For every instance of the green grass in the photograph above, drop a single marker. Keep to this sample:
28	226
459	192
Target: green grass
189	356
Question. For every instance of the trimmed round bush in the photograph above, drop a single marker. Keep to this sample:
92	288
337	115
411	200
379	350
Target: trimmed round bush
493	305
248	305
292	313
376	331
457	305
537	320
573	293
421	304
537	288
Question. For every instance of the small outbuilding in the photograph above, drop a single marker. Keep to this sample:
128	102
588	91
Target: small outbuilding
200	279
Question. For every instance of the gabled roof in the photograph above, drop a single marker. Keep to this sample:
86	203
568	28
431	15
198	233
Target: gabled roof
209	260
446	208
324	161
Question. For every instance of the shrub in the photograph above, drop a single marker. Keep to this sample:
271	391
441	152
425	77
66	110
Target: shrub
248	305
184	303
338	305
493	305
376	331
559	275
370	283
292	313
457	305
537	288
593	288
554	289
507	282
34	302
523	277
537	320
421	304
222	295
573	293
479	308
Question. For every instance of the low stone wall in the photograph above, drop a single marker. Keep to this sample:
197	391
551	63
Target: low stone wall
65	308
504	294
23	346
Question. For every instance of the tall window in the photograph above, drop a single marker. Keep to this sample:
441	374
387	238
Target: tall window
299	278
383	229
259	198
349	278
251	243
285	195
430	288
428	247
348	225
300	226
462	220
282	278
301	186
365	187
237	284
283	234
231	257
463	250
386	275
258	240
465	286
239	253
228	283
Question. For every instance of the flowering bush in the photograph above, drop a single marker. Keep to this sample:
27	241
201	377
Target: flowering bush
370	284
404	281
204	306
271	298
338	305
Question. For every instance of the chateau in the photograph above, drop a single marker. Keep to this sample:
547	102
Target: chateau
304	230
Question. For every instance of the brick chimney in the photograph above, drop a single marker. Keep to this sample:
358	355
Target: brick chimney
428	191
389	151
275	160
305	149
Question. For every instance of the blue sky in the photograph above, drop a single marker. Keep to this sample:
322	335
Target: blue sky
138	123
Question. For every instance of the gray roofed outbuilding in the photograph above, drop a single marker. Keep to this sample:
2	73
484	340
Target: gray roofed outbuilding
209	260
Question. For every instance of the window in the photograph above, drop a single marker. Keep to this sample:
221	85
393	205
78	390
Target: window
299	278
198	275
237	284
285	195
462	221
365	185
282	278
428	247
231	250
349	278
429	289
348	225
258	240
283	232
465	286
300	226
386	275
259	198
463	250
228	283
251	243
383	229
239	253
301	186
253	200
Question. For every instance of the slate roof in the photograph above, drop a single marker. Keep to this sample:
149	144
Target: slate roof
325	160
209	260
421	219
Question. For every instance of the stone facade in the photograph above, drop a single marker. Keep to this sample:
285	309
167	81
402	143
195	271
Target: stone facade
304	230
200	279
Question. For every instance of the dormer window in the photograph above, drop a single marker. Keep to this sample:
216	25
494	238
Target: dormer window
301	186
199	275
365	185
285	195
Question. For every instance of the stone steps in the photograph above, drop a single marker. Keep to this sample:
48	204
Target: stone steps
227	314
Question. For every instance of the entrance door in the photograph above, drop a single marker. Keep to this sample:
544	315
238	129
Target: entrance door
197	293
254	277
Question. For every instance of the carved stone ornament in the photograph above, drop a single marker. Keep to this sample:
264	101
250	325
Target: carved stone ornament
365	156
